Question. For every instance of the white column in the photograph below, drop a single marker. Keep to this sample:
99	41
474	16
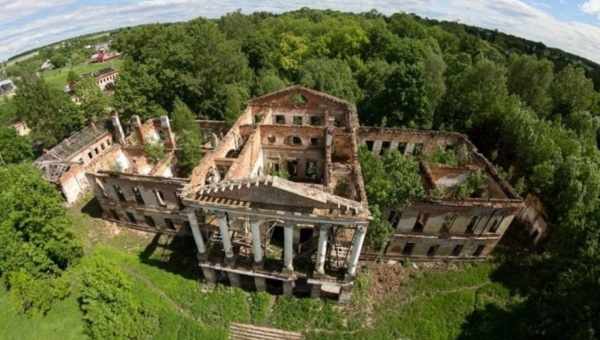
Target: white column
322	249
288	246
224	229
196	232
357	243
256	242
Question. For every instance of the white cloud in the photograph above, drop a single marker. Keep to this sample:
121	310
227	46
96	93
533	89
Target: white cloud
591	7
18	33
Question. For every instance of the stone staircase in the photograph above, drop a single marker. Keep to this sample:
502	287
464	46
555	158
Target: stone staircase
240	331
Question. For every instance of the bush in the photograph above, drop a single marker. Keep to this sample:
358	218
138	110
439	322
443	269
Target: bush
260	305
35	296
111	310
155	151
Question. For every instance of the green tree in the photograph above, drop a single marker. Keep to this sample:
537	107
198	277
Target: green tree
333	76
14	148
268	81
93	103
111	310
189	137
573	91
530	78
49	113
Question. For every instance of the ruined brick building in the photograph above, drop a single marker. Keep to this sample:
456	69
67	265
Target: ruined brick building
278	199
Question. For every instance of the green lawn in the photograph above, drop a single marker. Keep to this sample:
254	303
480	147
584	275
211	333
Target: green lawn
460	304
58	78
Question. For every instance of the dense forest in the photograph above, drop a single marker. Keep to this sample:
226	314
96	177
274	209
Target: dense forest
532	110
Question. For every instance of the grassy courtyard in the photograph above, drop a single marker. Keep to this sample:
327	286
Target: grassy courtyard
57	78
390	302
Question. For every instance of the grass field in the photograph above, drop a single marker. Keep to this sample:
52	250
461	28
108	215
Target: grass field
434	304
58	78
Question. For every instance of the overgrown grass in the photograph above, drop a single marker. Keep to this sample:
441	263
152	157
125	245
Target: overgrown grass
438	305
431	305
58	78
63	322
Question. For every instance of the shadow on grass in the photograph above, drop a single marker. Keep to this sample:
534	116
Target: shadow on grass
494	323
175	254
92	208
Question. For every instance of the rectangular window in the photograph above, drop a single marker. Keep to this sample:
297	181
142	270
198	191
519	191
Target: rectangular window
108	142
472	224
114	214
149	221
314	141
279	119
420	223
448	222
418	150
102	146
479	250
90	155
131	217
457	250
369	145
169	223
292	168
408	248
315	120
119	193
432	250
160	198
494	226
401	148
297	120
312	169
96	150
394	218
138	195
385	146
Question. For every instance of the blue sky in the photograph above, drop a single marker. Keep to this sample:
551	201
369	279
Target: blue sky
573	25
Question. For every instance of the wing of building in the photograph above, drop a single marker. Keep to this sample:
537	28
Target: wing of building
278	198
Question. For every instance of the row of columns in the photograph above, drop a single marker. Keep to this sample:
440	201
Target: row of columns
258	252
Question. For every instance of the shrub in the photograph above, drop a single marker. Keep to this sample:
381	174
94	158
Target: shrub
35	296
155	151
110	309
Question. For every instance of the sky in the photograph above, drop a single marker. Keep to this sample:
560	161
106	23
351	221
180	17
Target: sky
572	25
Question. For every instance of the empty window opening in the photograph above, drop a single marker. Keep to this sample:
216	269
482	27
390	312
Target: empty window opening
90	155
131	217
394	218
114	214
108	142
433	250
420	223
297	120
271	139
312	169
479	250
96	150
149	221
418	150
314	141
119	193
457	250
169	223
273	165
401	148
315	120
494	226
138	196
295	140
448	222
408	248
102	146
160	198
279	119
471	226
369	145
292	168
385	146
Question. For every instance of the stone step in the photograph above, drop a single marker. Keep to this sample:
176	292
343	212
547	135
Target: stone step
238	331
